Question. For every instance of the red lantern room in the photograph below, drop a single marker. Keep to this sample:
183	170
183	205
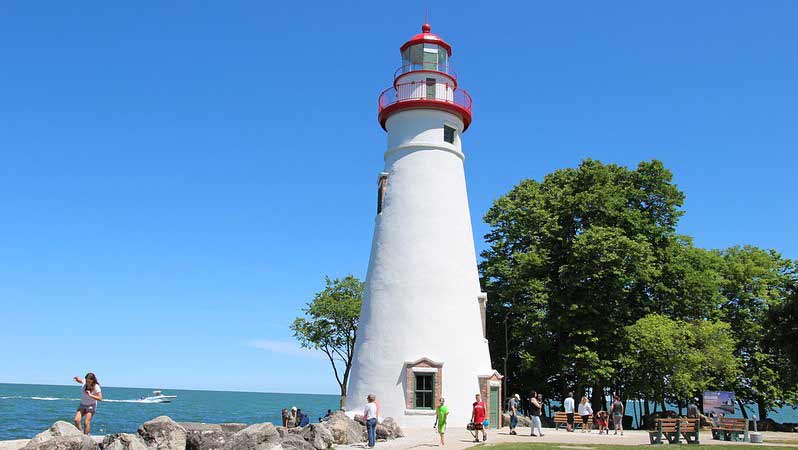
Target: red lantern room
425	80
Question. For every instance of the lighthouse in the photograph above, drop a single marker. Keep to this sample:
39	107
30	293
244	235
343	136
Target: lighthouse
422	324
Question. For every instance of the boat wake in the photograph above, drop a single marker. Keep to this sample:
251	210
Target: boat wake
108	400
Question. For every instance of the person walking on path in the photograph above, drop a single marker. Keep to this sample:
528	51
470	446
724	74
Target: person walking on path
585	411
370	417
568	404
617	411
478	419
535	406
440	419
512	409
90	394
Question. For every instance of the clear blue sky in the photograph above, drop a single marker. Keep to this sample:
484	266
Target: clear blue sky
176	178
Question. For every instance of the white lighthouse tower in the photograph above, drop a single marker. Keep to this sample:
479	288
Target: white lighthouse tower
422	330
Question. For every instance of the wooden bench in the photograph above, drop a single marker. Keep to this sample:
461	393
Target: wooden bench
731	430
560	420
690	429
667	428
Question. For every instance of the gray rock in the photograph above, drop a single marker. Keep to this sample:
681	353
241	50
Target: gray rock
295	442
345	430
260	436
204	436
163	433
59	428
318	436
79	442
282	431
523	421
231	428
123	441
395	429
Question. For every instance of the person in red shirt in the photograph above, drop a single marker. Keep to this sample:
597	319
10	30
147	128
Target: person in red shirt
478	417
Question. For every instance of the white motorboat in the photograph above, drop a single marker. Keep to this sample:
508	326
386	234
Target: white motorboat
158	397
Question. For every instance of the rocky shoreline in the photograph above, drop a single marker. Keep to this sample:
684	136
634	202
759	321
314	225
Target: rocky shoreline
163	433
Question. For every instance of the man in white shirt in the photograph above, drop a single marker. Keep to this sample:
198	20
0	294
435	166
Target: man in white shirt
569	411
370	417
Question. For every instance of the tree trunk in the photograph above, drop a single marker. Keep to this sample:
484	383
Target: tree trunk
646	407
742	408
343	396
763	410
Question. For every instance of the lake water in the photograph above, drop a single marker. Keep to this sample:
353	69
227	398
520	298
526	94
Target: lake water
27	409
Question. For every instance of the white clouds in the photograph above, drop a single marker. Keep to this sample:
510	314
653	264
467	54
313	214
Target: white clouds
283	348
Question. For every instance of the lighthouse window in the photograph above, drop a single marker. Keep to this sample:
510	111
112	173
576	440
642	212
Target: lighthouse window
448	134
425	383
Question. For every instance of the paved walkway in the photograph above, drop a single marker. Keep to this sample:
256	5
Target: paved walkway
460	438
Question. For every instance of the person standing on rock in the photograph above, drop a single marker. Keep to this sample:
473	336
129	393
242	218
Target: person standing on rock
89	396
292	418
440	419
370	417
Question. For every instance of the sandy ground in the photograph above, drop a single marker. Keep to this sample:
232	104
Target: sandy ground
460	438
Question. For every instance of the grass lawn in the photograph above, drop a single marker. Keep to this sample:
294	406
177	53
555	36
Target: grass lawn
555	446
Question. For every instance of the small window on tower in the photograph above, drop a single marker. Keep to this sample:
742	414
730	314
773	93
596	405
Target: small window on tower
425	383
448	134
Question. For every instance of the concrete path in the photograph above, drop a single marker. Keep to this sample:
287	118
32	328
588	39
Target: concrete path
460	438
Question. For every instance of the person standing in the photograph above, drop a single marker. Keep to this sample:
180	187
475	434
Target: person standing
692	410
478	418
568	404
585	412
370	417
512	409
440	419
535	407
90	394
617	412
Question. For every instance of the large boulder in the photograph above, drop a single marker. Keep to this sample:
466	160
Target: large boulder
345	430
204	436
123	441
318	436
260	436
163	433
295	442
231	428
73	442
57	429
394	429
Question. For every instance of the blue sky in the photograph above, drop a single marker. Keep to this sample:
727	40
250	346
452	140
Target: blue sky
176	178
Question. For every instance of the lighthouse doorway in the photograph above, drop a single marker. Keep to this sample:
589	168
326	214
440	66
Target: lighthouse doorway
494	407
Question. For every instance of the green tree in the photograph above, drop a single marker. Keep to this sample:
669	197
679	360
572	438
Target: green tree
672	360
331	323
571	261
755	281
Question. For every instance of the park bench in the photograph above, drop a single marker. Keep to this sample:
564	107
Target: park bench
730	429
689	429
667	428
560	420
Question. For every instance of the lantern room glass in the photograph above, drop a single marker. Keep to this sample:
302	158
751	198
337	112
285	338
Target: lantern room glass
425	57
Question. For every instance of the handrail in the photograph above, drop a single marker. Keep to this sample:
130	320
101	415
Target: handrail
420	90
435	67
